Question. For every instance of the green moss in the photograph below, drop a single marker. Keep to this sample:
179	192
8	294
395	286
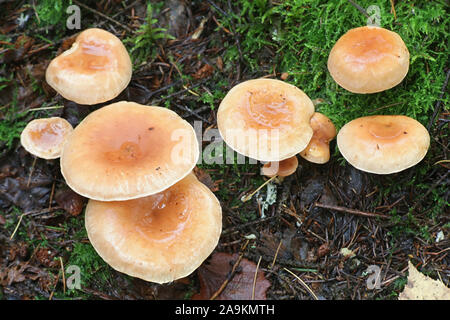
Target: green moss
92	266
52	12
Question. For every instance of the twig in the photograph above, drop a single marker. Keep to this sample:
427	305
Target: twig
231	275
249	196
29	213
303	284
360	9
244	225
351	211
254	279
393	9
63	275
437	108
119	13
31	172
429	190
276	255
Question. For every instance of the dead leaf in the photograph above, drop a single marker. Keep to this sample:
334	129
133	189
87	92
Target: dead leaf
47	258
203	72
70	201
206	179
323	250
422	287
214	272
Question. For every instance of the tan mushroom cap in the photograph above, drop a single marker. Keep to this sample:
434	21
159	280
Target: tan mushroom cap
159	238
45	138
266	119
318	149
126	150
369	59
383	144
95	69
281	168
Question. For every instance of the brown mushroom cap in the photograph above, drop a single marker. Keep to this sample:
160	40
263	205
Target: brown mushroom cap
95	69
281	168
45	138
159	238
266	119
126	150
368	59
383	144
318	149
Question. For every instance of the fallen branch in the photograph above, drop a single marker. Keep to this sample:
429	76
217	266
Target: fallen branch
351	211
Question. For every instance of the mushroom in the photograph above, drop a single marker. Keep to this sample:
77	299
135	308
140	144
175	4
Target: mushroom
158	238
95	69
45	138
383	144
266	119
281	168
318	149
368	59
126	150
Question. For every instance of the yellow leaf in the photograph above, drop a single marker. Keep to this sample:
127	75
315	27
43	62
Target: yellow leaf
421	287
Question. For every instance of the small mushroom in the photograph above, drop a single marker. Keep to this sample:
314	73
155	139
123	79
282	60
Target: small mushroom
266	119
368	59
158	238
95	69
318	149
45	138
126	150
281	168
383	144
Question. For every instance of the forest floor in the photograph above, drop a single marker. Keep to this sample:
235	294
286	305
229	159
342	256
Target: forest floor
330	225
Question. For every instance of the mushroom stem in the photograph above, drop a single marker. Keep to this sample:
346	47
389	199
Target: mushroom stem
249	196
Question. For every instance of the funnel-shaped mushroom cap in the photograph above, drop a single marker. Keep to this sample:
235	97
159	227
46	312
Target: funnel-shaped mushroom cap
383	144
265	119
368	59
318	149
45	138
126	150
159	238
95	69
281	168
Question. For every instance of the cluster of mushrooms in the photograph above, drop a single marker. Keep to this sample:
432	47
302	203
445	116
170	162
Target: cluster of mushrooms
148	216
364	60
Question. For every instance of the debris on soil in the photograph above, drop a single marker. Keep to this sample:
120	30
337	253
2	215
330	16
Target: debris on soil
70	201
241	285
422	287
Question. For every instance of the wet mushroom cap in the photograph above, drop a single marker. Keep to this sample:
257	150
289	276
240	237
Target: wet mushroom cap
318	149
383	144
45	138
158	238
266	119
281	168
95	69
126	150
368	60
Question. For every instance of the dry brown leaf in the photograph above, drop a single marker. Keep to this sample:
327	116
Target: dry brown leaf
203	72
421	287
70	201
206	179
214	272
